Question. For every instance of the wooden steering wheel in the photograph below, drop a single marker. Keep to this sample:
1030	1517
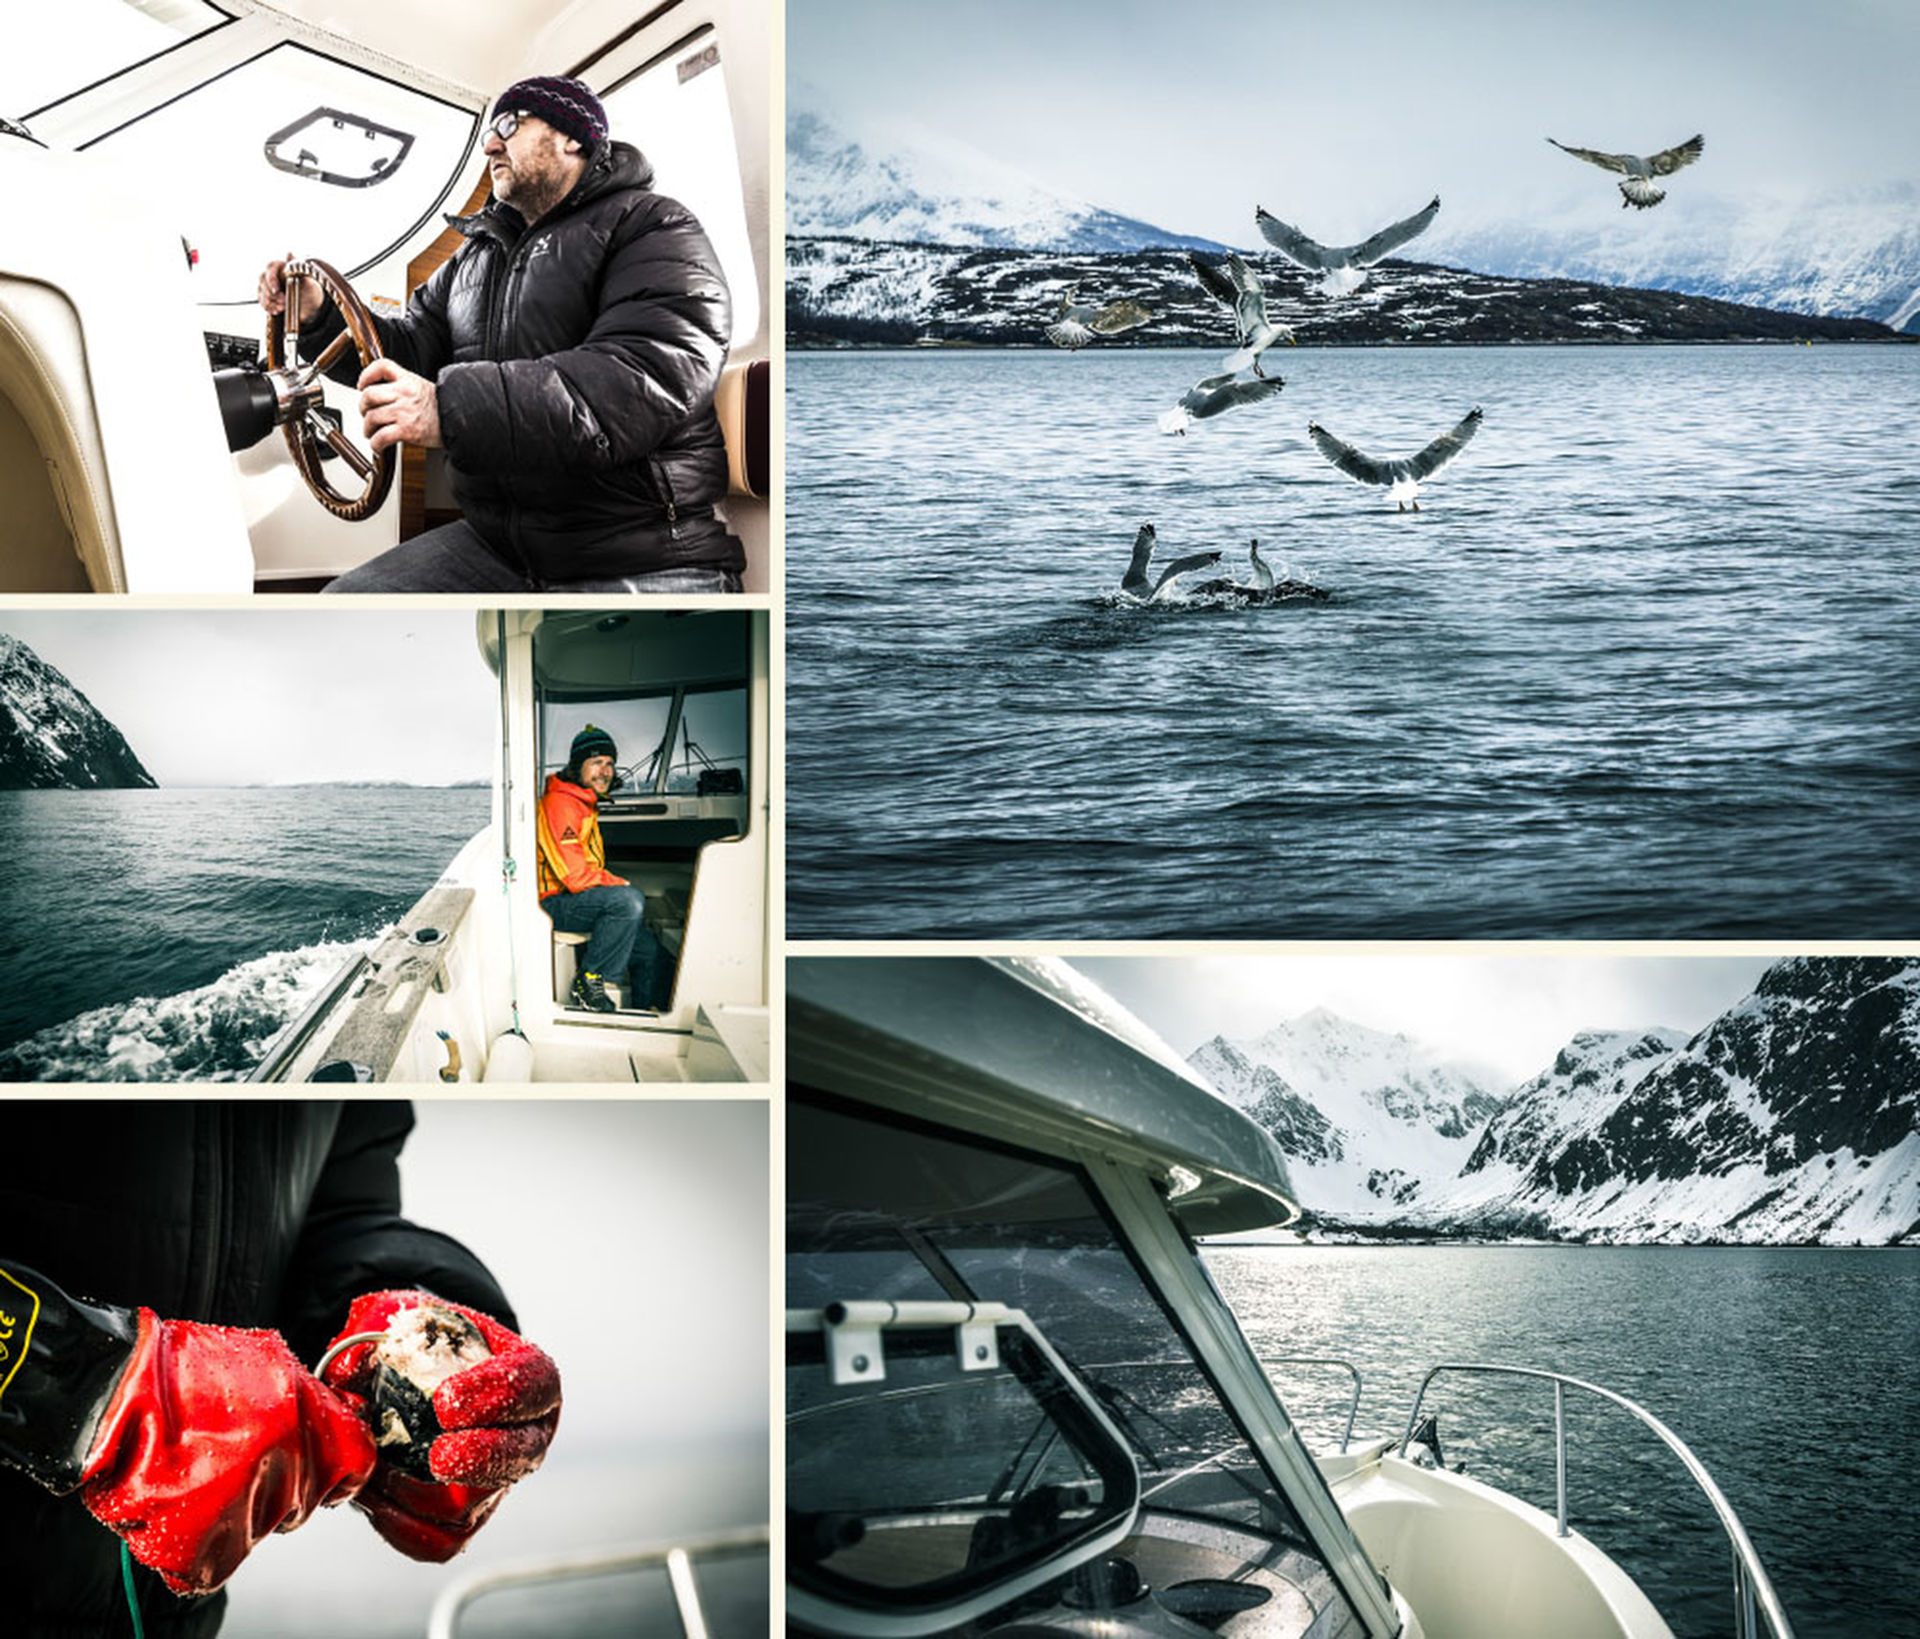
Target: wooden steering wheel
298	387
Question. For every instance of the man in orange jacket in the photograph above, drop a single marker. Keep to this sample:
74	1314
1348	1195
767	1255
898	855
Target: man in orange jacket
582	896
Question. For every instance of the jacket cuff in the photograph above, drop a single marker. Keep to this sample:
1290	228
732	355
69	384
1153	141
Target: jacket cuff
60	1361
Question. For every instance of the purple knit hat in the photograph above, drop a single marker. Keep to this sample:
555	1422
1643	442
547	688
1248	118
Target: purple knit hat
567	105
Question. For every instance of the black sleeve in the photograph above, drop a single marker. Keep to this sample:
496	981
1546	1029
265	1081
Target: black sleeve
59	1361
355	1240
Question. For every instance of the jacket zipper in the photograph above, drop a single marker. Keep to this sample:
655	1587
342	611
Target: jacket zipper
666	489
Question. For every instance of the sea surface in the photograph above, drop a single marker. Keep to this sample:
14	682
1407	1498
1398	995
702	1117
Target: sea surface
1794	1374
1646	664
169	935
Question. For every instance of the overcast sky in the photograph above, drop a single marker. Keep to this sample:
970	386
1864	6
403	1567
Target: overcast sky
1342	118
1512	1012
280	696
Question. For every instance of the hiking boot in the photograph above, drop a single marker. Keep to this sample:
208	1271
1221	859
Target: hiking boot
591	993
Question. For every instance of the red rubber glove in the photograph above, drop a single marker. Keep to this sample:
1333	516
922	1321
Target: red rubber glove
212	1438
499	1414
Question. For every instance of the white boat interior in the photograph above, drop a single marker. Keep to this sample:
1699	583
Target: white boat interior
156	154
472	984
1019	1406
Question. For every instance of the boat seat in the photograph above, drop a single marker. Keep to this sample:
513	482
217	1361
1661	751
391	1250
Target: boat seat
61	535
741	402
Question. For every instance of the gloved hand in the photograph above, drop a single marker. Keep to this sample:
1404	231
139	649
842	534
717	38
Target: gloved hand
190	1441
499	1416
213	1438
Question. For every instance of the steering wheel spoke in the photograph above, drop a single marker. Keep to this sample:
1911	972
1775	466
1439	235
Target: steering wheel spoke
305	431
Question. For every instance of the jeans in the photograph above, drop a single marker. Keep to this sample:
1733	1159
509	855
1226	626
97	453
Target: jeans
619	944
453	558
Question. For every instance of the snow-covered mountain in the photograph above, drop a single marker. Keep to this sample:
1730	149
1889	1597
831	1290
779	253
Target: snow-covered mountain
1839	254
919	188
1795	1116
1850	253
50	734
1369	1121
849	291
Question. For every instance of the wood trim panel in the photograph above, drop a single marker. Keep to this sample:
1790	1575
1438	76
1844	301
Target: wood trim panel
413	462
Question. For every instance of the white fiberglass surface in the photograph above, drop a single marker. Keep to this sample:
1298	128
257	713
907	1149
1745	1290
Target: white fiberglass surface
53	51
240	212
676	113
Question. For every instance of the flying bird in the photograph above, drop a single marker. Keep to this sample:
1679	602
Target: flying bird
1345	267
1404	475
1215	396
1638	190
1240	288
1078	323
1135	583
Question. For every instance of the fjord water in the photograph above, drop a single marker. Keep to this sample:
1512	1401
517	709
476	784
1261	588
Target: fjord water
1794	1374
1646	663
168	935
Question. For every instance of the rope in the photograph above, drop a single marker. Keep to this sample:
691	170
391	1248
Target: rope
133	1599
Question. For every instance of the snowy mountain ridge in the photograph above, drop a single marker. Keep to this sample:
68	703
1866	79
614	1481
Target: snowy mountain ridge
1794	1117
1846	253
51	736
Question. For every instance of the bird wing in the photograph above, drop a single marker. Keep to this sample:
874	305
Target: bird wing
1182	566
1669	160
1245	280
1118	316
1606	162
1391	239
1444	448
1218	284
1218	394
1136	574
1294	244
1356	465
1068	333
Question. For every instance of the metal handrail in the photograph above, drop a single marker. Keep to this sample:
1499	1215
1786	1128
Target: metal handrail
1750	1581
286	1046
676	1557
1347	1366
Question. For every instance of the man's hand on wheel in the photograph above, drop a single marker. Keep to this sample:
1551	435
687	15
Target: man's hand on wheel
398	407
273	290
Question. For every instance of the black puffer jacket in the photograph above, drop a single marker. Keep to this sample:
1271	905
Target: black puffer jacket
576	363
240	1213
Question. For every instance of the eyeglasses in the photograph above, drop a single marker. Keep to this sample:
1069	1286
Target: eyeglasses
506	124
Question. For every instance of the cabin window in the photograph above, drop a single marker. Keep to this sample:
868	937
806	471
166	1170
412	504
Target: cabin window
241	209
52	51
885	1210
675	111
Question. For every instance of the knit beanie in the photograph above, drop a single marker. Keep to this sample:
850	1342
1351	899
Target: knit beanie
567	105
590	742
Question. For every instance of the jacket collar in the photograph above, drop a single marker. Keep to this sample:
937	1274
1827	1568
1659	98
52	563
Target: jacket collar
617	165
580	793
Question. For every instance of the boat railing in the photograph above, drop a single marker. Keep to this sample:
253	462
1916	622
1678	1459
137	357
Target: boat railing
677	1559
285	1047
1753	1591
1347	1366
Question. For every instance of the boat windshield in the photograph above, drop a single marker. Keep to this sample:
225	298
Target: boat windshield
55	50
919	1480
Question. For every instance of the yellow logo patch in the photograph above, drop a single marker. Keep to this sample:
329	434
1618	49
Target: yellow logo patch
15	1332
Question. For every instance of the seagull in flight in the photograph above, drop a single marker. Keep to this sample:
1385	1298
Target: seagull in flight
1345	267
1402	476
1215	396
1240	288
1135	583
1078	323
1638	189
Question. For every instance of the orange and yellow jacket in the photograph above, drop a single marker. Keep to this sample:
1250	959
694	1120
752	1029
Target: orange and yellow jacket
572	856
